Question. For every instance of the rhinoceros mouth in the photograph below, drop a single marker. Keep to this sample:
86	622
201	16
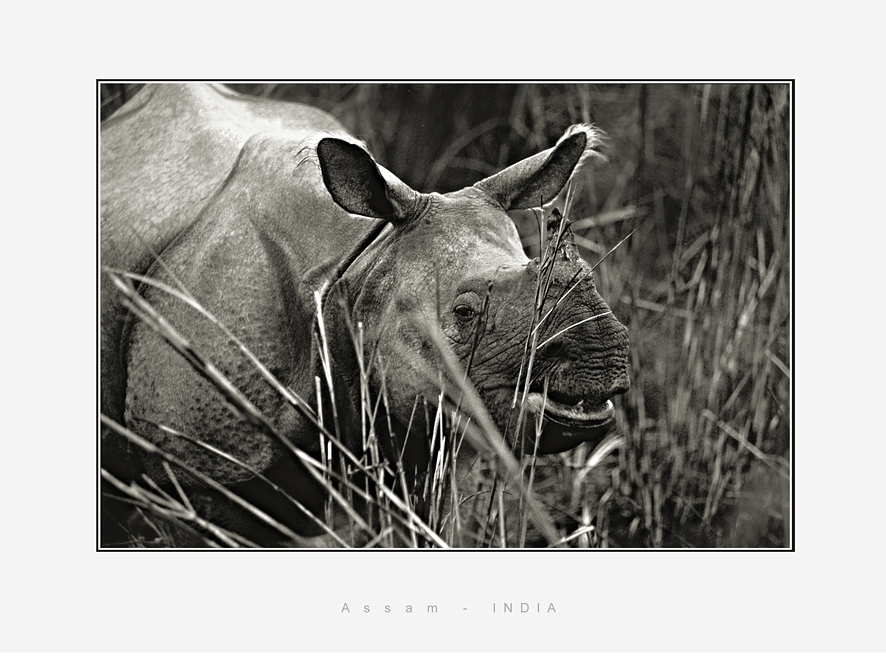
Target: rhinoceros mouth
581	414
566	426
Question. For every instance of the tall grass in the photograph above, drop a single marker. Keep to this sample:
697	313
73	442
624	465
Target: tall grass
704	288
698	177
369	502
375	513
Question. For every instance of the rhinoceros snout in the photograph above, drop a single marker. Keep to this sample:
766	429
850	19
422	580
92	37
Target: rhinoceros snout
590	361
573	384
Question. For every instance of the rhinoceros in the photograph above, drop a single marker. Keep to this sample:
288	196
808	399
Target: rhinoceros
262	209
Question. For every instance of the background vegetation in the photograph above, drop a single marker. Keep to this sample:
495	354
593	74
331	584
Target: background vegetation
696	194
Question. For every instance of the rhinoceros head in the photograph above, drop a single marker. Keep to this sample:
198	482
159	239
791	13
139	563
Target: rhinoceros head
455	261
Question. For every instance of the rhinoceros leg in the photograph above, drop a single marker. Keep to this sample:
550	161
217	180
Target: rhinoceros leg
164	390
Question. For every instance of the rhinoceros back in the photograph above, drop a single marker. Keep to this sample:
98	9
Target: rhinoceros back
165	153
163	156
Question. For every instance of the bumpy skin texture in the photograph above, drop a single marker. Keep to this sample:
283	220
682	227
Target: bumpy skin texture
163	157
250	208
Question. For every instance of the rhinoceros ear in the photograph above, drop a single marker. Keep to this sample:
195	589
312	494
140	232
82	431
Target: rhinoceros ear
538	179
358	185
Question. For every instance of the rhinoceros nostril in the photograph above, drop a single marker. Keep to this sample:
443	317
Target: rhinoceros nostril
552	349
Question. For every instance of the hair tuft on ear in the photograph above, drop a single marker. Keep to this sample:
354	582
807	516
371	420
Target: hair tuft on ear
595	140
539	178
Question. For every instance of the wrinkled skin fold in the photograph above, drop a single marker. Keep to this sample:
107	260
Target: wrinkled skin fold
253	206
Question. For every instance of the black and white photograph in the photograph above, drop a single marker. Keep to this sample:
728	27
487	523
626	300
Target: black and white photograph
446	315
457	328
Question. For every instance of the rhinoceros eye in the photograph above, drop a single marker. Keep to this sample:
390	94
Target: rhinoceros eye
464	312
467	305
